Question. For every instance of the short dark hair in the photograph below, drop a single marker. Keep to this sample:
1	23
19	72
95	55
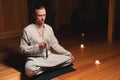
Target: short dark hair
38	5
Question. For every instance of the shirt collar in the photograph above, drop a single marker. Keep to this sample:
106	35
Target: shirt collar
38	26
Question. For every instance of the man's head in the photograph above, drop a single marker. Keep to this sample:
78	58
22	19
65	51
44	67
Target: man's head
39	13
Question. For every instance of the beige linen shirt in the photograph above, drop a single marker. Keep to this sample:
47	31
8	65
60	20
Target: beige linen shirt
31	38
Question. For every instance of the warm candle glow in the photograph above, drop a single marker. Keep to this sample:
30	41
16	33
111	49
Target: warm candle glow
82	46
83	34
97	62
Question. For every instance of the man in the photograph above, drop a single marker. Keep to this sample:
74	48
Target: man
36	41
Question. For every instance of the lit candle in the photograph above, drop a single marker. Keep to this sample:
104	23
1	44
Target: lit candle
82	46
97	62
82	34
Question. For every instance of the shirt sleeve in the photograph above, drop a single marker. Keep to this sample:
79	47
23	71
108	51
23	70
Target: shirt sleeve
26	46
56	46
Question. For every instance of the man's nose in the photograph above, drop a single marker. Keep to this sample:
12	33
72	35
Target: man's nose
42	17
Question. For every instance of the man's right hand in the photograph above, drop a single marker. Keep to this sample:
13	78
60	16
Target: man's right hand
42	44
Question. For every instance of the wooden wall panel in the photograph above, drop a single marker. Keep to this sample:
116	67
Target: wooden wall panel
111	20
1	17
14	16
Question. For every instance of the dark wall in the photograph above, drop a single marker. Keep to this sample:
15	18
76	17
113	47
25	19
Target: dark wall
86	16
117	21
91	16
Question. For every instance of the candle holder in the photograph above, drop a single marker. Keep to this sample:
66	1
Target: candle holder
82	41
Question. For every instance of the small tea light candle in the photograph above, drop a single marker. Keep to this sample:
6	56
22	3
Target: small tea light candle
82	46
83	34
97	62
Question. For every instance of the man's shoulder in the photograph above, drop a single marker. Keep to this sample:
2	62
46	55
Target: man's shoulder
47	26
28	27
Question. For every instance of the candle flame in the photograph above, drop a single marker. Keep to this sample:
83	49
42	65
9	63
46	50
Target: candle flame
82	46
97	62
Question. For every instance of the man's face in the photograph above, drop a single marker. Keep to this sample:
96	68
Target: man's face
40	16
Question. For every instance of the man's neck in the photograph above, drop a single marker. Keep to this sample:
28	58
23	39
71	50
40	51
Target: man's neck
40	25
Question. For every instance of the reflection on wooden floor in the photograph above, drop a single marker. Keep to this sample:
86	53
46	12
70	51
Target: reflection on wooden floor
107	53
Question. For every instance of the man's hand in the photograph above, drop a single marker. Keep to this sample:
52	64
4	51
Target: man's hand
42	44
72	57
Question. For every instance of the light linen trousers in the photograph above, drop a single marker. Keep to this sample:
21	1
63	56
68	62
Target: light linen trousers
37	60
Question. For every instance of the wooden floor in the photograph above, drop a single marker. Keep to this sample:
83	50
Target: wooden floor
95	49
